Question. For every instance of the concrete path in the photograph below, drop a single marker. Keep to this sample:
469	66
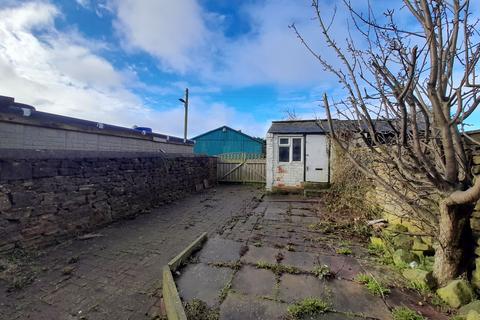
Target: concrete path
270	258
118	275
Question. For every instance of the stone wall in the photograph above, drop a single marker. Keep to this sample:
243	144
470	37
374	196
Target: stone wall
44	200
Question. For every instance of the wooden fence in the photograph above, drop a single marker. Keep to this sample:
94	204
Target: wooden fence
243	168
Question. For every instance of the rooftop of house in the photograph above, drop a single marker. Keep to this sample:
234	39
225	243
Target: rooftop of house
14	112
321	126
259	140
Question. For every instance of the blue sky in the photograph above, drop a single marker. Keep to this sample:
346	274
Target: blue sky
127	62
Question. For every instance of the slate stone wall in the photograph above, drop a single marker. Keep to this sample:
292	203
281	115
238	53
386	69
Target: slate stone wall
43	201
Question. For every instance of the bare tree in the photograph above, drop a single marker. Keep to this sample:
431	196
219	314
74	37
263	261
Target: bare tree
420	81
291	114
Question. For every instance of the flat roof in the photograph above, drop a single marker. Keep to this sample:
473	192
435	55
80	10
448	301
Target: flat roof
13	112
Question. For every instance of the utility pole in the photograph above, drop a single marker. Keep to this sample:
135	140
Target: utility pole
185	104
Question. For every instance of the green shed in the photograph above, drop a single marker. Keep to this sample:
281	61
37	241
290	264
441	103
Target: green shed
227	140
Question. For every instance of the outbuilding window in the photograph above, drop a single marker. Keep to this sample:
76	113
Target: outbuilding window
284	150
289	148
296	149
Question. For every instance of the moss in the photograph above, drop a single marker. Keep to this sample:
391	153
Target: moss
278	268
232	265
224	292
344	250
308	307
199	310
373	286
404	313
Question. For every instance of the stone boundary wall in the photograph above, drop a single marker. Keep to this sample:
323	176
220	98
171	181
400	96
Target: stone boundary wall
46	200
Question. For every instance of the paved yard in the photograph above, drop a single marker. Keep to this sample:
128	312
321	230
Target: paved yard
117	275
264	261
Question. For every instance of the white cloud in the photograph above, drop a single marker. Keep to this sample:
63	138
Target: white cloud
171	31
62	73
185	38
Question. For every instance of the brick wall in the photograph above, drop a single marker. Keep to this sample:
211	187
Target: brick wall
45	200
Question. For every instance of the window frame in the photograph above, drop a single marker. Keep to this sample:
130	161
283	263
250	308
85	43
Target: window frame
289	145
301	149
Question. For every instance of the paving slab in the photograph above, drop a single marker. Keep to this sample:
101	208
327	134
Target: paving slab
220	250
344	267
304	220
253	281
303	260
201	281
349	296
255	254
303	212
239	307
294	288
275	215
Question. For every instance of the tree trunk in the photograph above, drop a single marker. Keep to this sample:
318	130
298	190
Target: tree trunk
454	245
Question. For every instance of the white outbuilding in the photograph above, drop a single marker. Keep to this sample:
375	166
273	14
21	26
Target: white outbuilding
298	151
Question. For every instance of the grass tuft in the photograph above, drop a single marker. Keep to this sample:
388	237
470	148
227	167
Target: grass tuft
404	313
199	310
308	307
278	269
344	250
373	286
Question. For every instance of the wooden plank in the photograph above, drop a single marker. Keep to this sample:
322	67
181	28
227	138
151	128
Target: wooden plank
171	299
187	252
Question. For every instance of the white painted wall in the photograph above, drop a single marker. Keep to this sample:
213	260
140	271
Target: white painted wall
291	175
282	174
20	136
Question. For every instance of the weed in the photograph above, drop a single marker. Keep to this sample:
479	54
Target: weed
373	286
289	247
199	310
224	292
257	244
278	268
345	243
232	265
421	288
324	227
376	249
308	307
322	272
344	250
404	313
